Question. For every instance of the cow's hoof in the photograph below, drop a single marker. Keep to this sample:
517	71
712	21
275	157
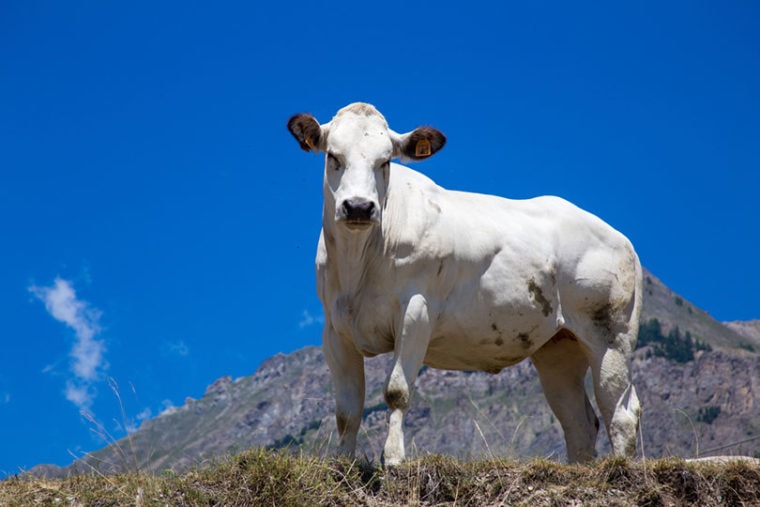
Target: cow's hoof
390	461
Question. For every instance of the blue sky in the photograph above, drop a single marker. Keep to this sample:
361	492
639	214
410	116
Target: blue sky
159	223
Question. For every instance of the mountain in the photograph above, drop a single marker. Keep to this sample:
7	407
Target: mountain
698	380
673	311
749	329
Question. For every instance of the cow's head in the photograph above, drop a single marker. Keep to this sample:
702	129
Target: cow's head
358	147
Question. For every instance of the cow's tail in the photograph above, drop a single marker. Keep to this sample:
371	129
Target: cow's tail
638	300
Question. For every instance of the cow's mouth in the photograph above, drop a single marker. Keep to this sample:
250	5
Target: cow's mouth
358	225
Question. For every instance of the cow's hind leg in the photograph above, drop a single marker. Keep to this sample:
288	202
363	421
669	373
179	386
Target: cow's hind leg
562	365
603	302
612	335
617	399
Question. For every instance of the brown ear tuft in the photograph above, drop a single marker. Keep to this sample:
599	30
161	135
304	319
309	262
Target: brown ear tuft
306	130
422	143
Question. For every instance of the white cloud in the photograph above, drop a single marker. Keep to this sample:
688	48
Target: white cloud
134	424
145	414
87	354
167	408
308	319
178	348
88	358
79	394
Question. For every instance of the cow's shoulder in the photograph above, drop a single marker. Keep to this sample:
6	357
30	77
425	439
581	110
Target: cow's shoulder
406	180
414	206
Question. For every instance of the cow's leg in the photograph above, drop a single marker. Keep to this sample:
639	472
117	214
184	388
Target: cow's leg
347	370
608	294
411	345
562	367
616	397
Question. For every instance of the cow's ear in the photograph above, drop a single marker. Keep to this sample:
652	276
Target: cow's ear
420	143
305	128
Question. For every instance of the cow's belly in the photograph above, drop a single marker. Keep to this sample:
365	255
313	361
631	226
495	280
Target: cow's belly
488	359
500	342
488	330
478	326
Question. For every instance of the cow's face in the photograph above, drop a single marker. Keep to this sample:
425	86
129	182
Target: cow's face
358	147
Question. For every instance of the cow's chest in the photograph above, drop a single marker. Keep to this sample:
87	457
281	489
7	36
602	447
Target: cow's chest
368	319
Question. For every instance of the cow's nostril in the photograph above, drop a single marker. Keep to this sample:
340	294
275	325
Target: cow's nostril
358	210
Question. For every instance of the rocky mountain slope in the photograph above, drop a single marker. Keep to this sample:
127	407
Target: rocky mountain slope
749	329
703	402
672	311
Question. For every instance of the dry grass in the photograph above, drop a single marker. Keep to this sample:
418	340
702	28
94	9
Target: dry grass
262	478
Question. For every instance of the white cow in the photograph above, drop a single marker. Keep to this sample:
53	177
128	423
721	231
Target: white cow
464	281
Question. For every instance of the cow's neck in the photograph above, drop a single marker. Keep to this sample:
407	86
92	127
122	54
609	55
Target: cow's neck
353	253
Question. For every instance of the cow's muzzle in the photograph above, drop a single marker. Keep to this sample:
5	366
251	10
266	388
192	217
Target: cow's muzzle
358	213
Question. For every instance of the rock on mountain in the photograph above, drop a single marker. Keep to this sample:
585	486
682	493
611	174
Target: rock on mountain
696	404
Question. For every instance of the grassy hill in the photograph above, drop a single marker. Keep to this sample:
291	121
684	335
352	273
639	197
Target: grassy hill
260	477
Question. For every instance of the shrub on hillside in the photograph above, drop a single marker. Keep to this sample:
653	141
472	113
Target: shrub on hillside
672	346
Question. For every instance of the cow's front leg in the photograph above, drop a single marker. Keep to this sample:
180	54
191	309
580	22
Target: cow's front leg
347	370
411	345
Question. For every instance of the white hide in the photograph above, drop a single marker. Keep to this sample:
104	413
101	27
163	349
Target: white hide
465	281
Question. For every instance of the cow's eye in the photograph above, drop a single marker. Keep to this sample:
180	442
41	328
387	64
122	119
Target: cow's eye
333	161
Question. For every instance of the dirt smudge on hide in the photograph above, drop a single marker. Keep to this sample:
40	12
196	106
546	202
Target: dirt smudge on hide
525	340
602	317
396	398
499	341
538	296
